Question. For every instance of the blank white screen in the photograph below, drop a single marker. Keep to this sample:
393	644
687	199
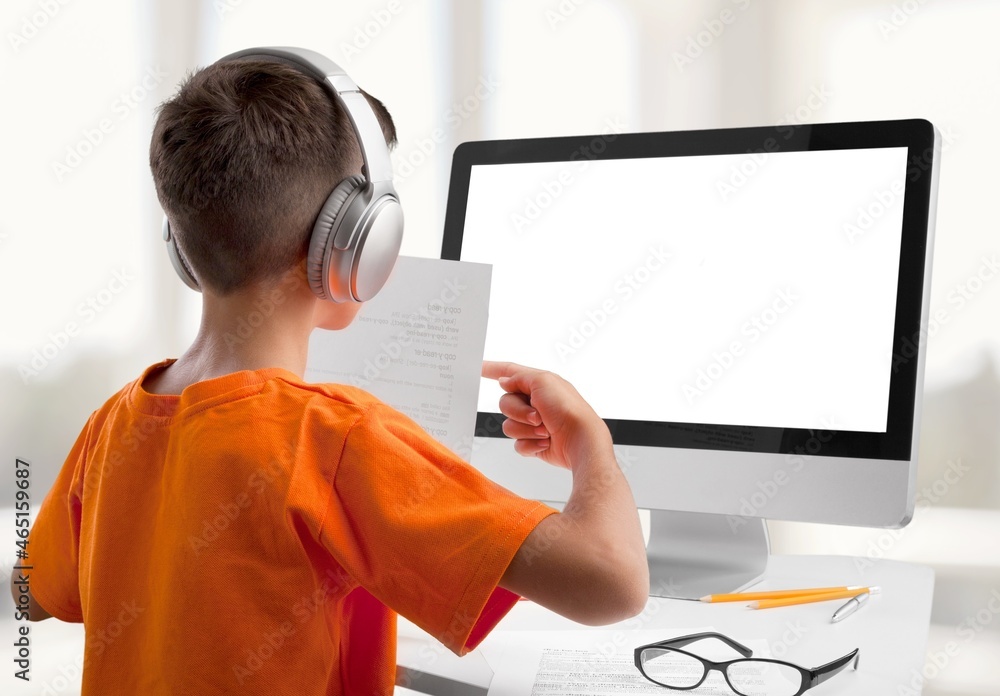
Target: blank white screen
671	289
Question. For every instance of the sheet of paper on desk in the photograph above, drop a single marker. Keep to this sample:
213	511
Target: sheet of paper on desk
590	662
418	346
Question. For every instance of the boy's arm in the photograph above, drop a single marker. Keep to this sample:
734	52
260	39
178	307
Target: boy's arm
587	563
35	610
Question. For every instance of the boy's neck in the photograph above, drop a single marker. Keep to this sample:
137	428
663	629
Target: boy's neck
241	333
253	330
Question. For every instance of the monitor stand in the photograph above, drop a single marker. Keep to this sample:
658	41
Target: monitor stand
693	554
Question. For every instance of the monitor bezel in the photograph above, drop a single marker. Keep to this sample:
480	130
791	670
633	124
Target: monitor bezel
917	135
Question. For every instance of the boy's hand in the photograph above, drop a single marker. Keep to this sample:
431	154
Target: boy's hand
546	416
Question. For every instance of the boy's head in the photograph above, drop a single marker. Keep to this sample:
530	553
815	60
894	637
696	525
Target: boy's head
243	158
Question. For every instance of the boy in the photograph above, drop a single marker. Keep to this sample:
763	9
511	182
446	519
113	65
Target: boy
221	526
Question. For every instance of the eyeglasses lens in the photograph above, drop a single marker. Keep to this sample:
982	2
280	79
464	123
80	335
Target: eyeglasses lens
670	668
763	678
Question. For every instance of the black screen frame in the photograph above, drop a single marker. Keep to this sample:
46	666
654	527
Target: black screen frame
917	135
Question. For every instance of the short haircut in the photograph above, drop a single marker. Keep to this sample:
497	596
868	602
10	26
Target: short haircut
243	158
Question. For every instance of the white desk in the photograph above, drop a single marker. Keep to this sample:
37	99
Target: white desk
891	630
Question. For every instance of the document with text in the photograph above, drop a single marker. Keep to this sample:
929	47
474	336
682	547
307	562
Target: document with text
417	346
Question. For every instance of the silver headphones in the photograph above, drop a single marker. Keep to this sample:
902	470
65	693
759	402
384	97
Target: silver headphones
356	238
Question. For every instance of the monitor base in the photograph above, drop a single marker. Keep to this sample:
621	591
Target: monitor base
693	554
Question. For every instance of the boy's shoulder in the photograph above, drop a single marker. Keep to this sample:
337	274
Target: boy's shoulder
232	388
327	409
371	412
334	392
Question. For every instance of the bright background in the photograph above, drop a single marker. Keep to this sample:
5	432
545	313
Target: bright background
68	237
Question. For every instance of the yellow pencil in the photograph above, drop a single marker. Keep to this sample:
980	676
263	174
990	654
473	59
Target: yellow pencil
805	599
776	594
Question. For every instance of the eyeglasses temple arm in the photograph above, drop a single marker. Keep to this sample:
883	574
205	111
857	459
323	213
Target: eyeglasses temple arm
687	640
821	674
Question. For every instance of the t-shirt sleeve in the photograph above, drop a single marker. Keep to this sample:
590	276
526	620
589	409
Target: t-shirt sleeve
423	531
54	541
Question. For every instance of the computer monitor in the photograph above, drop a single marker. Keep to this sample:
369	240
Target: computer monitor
746	308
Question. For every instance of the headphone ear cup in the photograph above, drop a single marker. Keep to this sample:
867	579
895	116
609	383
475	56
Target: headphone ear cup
321	244
177	259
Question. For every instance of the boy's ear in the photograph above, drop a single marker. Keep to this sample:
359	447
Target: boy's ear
334	316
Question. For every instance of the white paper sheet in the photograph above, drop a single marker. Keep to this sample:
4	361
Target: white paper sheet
418	346
592	662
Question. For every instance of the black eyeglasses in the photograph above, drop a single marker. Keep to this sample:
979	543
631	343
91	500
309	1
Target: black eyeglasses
665	664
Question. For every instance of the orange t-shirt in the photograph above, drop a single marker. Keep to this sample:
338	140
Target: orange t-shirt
257	535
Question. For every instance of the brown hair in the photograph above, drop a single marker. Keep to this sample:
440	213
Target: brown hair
243	158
